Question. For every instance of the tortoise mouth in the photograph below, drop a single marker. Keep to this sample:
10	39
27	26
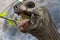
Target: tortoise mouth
26	15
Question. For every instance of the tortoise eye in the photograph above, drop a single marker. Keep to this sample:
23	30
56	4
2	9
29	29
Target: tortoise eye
30	4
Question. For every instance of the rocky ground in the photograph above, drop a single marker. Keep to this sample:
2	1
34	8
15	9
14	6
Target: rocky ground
3	4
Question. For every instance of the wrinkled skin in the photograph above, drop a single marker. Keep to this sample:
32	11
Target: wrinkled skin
43	27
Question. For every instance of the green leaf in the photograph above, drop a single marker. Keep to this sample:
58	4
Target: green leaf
3	14
26	17
10	22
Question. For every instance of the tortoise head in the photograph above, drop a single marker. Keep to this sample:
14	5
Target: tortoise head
31	9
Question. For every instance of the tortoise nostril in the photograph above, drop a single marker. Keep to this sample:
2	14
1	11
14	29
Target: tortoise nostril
16	7
31	4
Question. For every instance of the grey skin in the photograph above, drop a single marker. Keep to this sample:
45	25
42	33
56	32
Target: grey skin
43	27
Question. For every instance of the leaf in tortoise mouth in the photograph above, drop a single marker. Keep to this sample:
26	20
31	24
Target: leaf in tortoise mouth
26	17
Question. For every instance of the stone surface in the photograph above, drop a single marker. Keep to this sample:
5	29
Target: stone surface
3	5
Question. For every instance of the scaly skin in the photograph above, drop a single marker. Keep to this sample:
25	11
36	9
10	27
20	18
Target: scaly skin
43	28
